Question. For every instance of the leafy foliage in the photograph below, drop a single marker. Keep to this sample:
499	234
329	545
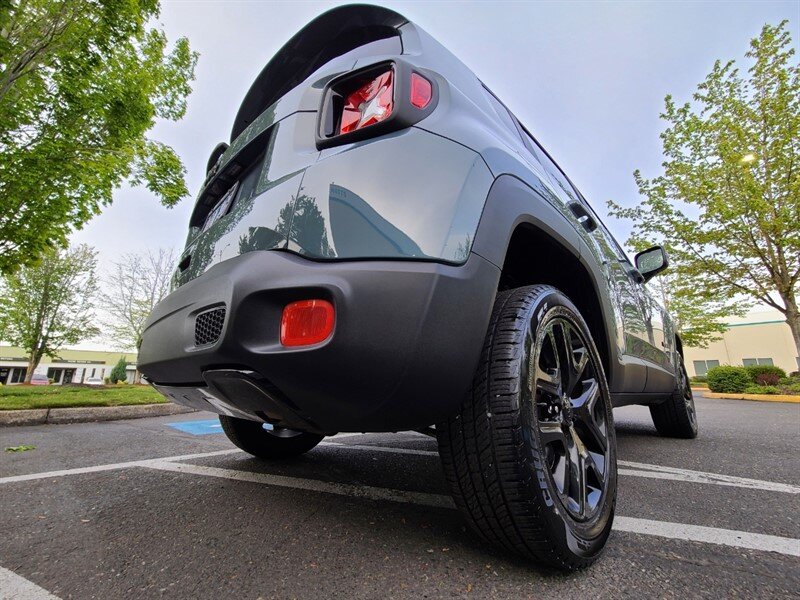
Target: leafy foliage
766	374
727	206
728	379
762	389
81	83
50	305
119	373
699	316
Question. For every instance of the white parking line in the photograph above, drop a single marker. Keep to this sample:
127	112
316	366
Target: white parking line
676	474
678	531
16	587
641	470
709	535
313	485
109	467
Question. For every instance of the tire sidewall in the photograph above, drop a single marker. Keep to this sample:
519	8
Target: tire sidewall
583	539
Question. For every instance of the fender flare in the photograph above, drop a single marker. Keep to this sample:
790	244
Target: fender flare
511	203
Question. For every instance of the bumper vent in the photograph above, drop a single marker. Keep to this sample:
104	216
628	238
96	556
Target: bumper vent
208	326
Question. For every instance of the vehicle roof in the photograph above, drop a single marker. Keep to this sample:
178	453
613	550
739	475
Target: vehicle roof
310	48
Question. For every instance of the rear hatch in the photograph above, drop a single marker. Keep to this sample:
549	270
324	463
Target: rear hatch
247	201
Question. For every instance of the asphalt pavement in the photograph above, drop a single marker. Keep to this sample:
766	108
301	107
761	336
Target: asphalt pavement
167	507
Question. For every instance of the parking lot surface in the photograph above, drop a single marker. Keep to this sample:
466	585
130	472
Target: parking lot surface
167	507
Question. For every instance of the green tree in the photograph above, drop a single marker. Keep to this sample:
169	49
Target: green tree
49	305
728	203
699	316
119	373
81	83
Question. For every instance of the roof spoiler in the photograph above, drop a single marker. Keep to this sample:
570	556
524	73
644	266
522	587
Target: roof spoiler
330	35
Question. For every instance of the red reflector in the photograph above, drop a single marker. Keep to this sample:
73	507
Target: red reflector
369	104
306	322
421	91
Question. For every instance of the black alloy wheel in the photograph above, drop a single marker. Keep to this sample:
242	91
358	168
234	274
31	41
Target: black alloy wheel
571	422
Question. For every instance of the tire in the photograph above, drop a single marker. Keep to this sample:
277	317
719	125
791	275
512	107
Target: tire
251	437
677	417
503	451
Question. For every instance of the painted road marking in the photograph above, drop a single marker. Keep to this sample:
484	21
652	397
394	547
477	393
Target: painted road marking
340	489
676	474
198	427
665	529
109	467
128	464
641	470
17	587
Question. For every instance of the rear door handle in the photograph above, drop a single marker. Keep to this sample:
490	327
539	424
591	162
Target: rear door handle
583	215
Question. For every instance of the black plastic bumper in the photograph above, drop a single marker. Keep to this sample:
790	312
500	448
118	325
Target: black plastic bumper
405	345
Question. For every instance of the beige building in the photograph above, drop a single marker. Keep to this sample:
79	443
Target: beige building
760	338
71	366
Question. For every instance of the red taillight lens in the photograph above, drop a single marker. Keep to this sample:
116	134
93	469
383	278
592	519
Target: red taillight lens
369	104
421	91
306	322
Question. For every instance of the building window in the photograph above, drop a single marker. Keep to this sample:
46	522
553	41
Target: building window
18	375
701	367
751	362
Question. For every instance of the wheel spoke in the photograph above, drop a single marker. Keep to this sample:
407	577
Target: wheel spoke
548	380
551	432
584	410
576	479
597	463
561	472
581	362
583	491
567	359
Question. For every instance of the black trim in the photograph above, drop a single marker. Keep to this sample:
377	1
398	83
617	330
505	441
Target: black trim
403	353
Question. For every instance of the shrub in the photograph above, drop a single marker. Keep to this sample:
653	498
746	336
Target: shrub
698	379
765	374
118	372
728	379
762	389
767	379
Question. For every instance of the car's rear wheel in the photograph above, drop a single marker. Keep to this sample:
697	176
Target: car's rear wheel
677	417
265	441
530	457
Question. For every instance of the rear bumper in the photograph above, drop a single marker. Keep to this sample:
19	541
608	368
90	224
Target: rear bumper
405	345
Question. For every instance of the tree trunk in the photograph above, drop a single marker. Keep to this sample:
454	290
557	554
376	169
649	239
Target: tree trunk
793	319
792	314
33	362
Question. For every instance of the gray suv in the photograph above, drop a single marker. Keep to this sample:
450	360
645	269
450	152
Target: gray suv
383	246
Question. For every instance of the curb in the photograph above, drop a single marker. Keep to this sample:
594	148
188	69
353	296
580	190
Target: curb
89	414
753	397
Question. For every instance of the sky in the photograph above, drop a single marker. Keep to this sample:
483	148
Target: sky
587	78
